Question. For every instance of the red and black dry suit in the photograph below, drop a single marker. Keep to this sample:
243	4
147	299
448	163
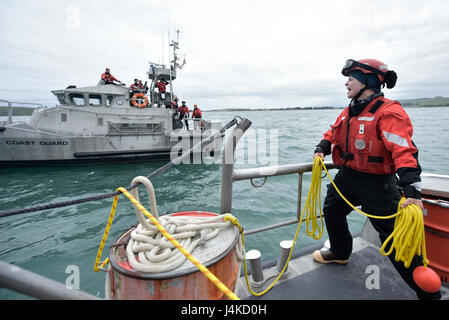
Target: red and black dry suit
162	86
108	78
184	114
197	113
372	142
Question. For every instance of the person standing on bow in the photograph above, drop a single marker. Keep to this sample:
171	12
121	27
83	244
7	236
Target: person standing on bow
196	114
371	141
184	113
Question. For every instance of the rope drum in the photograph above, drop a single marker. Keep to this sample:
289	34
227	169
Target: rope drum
154	251
156	254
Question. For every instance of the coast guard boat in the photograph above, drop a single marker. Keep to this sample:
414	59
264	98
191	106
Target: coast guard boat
105	123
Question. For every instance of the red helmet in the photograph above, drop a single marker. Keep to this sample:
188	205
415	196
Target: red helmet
371	66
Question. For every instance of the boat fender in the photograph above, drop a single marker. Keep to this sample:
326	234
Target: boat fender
426	279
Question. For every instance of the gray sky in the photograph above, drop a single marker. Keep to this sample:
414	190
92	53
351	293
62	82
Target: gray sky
264	53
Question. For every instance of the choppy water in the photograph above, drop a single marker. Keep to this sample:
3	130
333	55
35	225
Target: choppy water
47	242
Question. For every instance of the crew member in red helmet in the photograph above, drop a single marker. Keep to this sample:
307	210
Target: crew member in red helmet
371	141
108	78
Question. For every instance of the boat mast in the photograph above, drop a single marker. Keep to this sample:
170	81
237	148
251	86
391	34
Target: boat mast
174	66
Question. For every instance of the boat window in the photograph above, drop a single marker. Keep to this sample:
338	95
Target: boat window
63	117
61	98
109	100
77	99
94	100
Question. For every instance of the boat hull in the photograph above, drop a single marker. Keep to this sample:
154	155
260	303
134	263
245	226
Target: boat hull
436	222
21	146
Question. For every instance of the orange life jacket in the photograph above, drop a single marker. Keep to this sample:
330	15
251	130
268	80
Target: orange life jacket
378	140
184	110
161	86
107	77
197	113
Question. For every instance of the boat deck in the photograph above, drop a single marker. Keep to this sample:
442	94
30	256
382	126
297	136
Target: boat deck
310	280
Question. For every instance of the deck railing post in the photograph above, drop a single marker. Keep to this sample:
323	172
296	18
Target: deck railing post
9	113
228	164
298	215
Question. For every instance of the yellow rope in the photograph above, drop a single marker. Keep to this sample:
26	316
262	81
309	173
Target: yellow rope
156	223
313	229
408	234
105	236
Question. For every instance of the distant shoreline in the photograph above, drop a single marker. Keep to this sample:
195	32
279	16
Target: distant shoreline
311	108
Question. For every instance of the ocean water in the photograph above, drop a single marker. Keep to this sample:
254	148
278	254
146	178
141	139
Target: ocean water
53	241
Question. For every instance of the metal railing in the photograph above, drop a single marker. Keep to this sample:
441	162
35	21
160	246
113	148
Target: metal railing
31	284
230	175
12	104
196	123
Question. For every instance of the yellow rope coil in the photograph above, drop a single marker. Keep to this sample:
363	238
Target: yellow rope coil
164	232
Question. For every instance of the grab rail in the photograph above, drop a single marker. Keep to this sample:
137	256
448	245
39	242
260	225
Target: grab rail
29	283
11	104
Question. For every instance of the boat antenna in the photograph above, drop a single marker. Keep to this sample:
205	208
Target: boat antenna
174	63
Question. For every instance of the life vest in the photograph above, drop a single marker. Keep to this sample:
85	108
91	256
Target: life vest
108	78
359	143
184	110
161	86
196	113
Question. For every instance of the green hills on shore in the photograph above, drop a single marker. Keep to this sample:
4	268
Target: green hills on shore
406	103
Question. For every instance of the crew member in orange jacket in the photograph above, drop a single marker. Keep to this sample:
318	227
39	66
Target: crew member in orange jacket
162	86
174	104
371	140
184	113
108	78
196	114
135	87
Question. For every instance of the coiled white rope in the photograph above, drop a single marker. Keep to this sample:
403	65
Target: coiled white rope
154	252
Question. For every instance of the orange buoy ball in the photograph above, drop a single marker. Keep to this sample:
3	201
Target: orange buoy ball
426	279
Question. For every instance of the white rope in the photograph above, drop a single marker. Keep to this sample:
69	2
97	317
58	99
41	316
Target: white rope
156	254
